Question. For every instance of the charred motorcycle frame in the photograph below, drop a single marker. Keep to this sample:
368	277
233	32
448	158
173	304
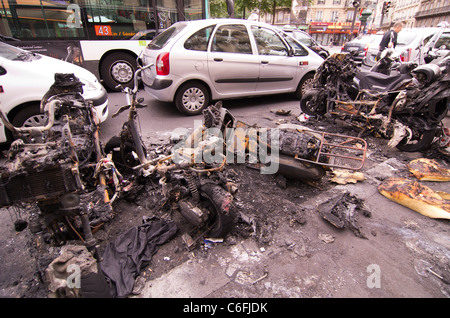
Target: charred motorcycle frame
409	114
54	166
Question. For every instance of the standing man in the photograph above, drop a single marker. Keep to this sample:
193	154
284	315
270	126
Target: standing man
389	39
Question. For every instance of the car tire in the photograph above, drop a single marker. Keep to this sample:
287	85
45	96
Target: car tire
191	98
30	116
304	85
118	69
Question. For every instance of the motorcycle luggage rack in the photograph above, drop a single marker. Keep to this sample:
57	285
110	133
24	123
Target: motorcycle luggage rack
349	144
351	150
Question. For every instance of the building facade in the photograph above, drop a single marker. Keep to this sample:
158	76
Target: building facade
431	13
333	21
339	21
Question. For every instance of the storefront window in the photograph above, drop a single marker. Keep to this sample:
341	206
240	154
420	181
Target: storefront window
193	9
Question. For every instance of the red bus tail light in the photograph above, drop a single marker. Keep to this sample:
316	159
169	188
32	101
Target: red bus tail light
162	64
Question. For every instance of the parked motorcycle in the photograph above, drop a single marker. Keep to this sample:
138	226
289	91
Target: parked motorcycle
408	111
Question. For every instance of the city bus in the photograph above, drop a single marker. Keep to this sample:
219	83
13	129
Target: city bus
103	36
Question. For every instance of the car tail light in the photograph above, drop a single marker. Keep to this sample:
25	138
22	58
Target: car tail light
405	56
365	50
162	64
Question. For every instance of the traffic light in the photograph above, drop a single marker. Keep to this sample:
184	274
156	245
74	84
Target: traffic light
356	3
386	6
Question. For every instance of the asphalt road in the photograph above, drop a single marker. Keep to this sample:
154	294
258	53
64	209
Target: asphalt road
159	119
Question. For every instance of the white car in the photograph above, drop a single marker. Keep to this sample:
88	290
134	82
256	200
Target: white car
24	79
196	62
409	44
437	48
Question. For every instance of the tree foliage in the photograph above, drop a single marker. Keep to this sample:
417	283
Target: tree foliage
243	8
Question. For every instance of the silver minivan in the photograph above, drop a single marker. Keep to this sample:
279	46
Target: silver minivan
197	62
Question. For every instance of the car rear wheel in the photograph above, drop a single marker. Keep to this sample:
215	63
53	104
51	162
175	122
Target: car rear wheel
191	98
118	69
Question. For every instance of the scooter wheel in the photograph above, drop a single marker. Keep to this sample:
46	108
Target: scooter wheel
419	144
222	217
309	108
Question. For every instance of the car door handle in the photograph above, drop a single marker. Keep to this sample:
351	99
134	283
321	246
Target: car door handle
218	59
264	62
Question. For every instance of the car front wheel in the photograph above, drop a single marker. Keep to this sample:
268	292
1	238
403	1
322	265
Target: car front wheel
191	98
305	84
29	116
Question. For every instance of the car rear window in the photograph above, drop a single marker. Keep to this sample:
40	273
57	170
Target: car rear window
404	38
162	39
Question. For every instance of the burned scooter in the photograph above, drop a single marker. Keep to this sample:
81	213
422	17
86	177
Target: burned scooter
186	181
190	173
409	113
53	166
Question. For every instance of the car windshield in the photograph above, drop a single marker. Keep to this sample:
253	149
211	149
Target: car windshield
163	38
303	38
367	39
15	54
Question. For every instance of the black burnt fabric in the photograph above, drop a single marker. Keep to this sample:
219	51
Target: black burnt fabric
133	250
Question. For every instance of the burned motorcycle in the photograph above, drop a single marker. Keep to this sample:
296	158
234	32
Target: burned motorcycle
53	166
408	112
